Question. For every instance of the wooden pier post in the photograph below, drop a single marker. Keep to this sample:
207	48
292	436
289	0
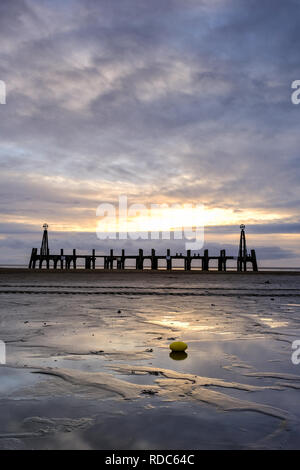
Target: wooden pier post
35	258
222	261
169	260
140	260
254	261
93	259
74	259
187	261
61	258
111	259
87	262
67	261
205	261
31	258
48	259
120	260
153	260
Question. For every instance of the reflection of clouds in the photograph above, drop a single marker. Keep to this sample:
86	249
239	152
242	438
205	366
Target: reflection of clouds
183	325
272	323
78	441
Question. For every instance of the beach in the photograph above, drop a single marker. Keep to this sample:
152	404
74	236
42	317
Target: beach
88	364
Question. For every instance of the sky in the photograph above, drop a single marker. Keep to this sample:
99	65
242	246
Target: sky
163	101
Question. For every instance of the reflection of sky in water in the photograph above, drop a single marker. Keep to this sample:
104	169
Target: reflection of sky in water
140	424
14	379
273	323
98	339
208	358
169	321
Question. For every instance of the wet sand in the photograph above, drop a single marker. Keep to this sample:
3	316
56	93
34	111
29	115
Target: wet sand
89	366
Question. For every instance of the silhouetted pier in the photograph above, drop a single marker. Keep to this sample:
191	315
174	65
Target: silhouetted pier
47	260
113	261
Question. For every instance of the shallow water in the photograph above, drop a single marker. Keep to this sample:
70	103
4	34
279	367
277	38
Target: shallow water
79	364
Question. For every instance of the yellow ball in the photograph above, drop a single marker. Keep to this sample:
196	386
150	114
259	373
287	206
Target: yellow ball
178	346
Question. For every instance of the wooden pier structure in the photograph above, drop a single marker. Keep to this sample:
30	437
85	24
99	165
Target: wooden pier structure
113	261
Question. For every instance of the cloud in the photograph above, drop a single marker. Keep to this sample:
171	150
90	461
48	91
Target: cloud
162	100
17	240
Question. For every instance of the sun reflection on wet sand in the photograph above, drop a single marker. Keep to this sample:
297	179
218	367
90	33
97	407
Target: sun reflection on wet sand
170	322
273	323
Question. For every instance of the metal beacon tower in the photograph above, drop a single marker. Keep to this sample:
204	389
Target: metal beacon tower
44	252
243	257
44	246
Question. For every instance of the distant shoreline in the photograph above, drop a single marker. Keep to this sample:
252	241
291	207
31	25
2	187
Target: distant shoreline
159	272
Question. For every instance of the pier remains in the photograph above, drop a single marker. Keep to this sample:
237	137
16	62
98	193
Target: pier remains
112	261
